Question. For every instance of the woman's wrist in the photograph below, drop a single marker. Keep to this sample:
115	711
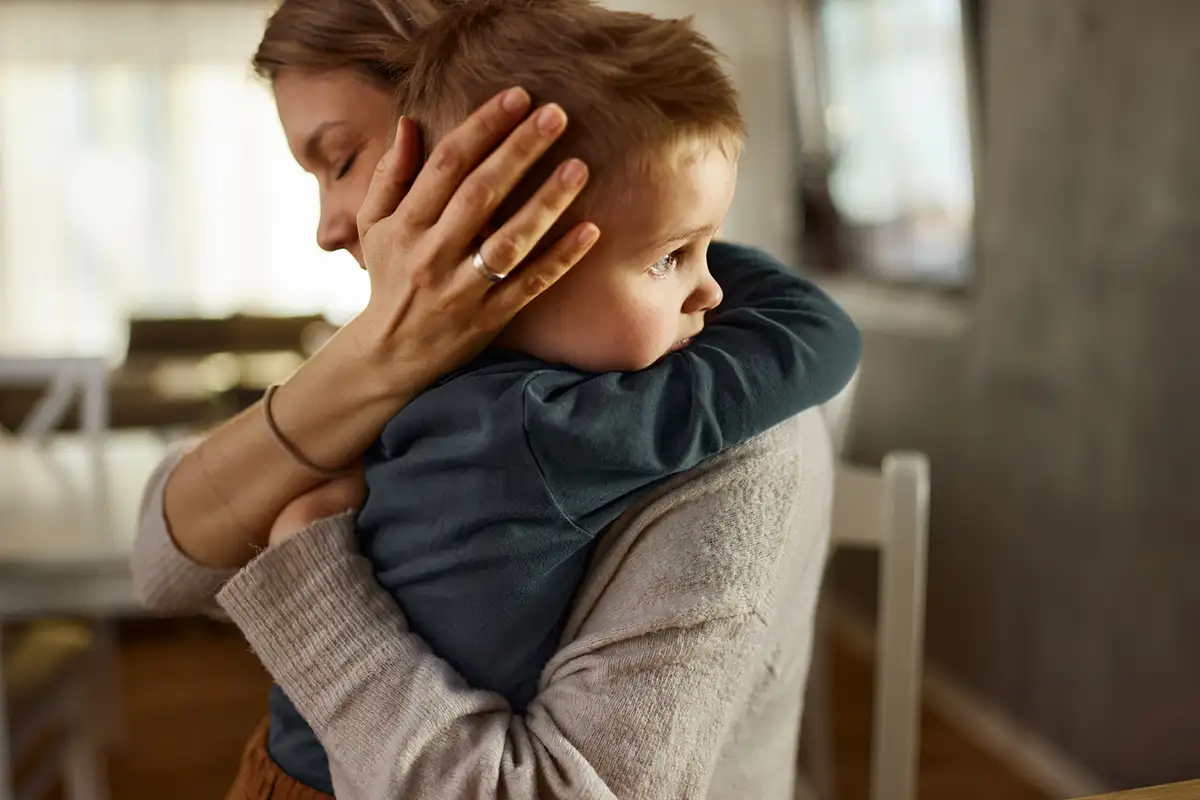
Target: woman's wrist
339	400
221	501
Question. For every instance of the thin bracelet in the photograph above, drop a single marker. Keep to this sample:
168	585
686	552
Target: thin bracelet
290	448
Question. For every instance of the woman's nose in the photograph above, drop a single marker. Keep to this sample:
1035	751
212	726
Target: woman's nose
337	230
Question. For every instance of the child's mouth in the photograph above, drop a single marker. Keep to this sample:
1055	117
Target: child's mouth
682	343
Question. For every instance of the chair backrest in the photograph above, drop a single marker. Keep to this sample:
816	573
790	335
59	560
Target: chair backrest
888	509
196	337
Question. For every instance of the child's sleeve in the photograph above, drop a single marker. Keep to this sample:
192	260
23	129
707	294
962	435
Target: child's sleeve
776	346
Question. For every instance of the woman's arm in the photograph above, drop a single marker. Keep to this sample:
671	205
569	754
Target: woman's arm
428	312
164	579
219	500
638	705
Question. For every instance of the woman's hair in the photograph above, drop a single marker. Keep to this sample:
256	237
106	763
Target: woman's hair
324	35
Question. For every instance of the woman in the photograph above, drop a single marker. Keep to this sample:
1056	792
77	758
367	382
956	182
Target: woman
682	667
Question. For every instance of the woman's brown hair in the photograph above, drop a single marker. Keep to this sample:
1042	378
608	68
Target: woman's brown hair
325	35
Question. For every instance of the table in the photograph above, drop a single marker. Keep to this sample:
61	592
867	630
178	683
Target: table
66	536
1189	790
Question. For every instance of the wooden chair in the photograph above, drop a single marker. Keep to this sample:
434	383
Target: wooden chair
52	714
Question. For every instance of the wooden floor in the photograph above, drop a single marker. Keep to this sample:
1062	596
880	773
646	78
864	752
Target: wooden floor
951	767
193	692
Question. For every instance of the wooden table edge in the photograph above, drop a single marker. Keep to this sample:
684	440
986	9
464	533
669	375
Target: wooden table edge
1188	790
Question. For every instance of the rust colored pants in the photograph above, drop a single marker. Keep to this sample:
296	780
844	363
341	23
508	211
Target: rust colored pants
260	778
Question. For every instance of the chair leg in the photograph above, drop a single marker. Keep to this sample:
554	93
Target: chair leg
901	629
95	725
107	721
817	724
86	775
7	778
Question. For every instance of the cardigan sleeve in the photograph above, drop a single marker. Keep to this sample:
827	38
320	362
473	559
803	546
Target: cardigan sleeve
165	579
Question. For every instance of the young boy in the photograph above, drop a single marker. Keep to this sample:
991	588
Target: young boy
486	494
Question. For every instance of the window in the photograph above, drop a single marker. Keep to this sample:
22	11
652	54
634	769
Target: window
142	169
888	186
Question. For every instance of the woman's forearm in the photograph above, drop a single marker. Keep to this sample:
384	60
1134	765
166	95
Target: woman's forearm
222	499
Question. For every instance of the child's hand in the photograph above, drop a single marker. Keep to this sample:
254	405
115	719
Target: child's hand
327	500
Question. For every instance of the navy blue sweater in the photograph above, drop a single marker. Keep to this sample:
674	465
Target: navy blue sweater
486	493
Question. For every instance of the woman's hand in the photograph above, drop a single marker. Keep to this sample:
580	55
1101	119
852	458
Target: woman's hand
429	312
430	307
329	499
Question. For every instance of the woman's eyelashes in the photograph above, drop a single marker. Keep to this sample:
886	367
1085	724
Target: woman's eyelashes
665	265
346	166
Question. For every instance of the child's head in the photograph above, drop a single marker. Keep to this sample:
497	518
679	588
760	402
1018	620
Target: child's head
656	119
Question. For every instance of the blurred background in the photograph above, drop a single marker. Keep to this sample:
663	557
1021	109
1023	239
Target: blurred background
1005	194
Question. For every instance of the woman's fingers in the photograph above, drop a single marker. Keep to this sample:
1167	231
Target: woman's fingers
481	192
392	177
518	289
505	249
425	294
459	151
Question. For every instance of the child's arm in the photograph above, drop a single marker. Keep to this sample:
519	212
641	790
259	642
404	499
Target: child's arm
776	346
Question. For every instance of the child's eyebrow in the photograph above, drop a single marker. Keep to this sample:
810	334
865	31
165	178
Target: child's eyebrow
682	235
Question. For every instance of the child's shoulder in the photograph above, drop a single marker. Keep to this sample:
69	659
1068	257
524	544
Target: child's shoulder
485	395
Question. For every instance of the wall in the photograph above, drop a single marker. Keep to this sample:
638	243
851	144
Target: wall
1064	425
753	36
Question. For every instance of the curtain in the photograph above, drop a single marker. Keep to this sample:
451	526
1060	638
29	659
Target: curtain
143	170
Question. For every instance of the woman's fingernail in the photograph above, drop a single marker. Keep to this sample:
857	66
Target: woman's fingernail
574	172
514	100
551	119
588	234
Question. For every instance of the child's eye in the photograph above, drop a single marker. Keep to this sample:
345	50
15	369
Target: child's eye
665	265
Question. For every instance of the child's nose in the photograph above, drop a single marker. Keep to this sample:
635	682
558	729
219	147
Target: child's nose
706	296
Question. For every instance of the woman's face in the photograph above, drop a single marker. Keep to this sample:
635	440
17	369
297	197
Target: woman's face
336	125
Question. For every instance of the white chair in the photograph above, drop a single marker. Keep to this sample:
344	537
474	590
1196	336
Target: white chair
68	379
51	712
888	510
885	509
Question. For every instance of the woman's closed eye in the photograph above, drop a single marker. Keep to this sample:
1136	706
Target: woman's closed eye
665	265
347	165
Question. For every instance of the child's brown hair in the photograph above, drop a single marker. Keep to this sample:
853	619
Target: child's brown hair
631	84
